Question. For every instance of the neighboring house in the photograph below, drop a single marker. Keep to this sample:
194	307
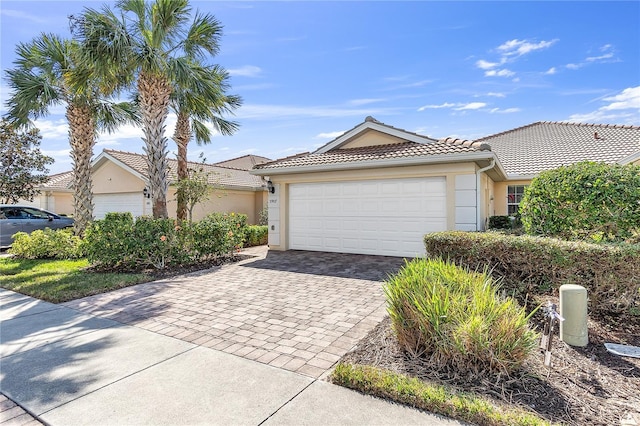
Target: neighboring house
120	185
377	189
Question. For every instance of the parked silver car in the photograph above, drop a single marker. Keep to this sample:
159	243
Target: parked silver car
27	219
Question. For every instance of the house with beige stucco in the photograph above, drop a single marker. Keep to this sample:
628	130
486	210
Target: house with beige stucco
377	189
120	185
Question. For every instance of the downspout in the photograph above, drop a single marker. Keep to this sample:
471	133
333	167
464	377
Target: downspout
479	193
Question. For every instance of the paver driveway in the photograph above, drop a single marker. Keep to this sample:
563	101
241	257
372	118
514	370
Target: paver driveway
296	310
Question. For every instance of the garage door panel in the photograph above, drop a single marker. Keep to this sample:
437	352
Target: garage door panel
132	202
387	217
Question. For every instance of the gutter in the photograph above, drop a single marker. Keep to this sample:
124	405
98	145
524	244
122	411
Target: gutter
479	194
354	165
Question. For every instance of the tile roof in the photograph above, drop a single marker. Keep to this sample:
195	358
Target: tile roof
59	181
369	153
246	162
223	176
546	145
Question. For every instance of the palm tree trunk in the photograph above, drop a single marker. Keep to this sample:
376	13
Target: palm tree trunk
154	104
82	139
181	136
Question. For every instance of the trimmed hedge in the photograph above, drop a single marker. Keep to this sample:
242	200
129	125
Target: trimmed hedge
47	244
537	265
256	235
119	241
585	201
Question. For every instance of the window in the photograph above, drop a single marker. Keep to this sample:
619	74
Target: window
514	196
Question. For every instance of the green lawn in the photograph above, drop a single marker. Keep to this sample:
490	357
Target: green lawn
59	281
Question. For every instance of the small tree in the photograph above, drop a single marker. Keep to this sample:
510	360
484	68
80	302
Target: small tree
23	167
587	200
194	189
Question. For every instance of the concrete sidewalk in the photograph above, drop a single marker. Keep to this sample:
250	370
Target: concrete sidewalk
70	368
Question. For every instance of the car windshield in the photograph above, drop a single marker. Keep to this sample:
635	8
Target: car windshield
24	213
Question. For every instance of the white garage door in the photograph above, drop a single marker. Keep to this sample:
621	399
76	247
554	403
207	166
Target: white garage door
124	202
384	217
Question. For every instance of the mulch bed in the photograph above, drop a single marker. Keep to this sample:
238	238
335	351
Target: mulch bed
584	386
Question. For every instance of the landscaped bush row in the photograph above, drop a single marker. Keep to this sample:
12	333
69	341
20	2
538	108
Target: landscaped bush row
585	201
119	241
47	244
533	266
255	235
456	319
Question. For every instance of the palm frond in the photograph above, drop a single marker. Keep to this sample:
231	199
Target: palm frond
203	35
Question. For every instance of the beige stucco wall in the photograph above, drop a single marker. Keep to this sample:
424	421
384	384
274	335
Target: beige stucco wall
449	171
60	202
110	178
372	138
500	195
224	201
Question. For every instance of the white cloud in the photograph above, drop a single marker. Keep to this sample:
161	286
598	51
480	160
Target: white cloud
504	111
496	95
471	106
53	129
629	98
444	105
623	107
10	13
486	65
522	47
329	135
599	58
499	73
245	71
551	71
607	55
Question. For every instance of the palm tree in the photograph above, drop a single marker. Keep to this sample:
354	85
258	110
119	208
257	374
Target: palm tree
195	106
47	74
157	46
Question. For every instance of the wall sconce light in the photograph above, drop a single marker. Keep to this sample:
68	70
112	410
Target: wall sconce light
270	187
146	192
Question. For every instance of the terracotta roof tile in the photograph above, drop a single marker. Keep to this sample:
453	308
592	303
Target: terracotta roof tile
246	162
547	145
60	181
223	176
369	153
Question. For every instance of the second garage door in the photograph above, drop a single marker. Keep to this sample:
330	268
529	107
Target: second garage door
124	202
384	217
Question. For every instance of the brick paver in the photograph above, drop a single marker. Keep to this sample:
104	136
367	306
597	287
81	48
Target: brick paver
11	414
296	310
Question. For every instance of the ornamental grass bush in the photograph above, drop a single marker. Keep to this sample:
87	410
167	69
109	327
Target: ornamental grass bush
119	241
47	244
456	318
533	267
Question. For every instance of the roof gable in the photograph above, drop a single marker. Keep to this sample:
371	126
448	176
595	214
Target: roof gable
246	162
361	136
136	164
531	149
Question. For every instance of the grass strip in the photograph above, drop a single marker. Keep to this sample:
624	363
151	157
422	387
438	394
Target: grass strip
429	397
59	281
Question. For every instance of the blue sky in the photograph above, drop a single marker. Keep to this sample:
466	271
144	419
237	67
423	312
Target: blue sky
308	71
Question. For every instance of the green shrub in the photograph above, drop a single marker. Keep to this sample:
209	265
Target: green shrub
584	201
47	244
120	241
537	266
256	235
456	318
500	222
